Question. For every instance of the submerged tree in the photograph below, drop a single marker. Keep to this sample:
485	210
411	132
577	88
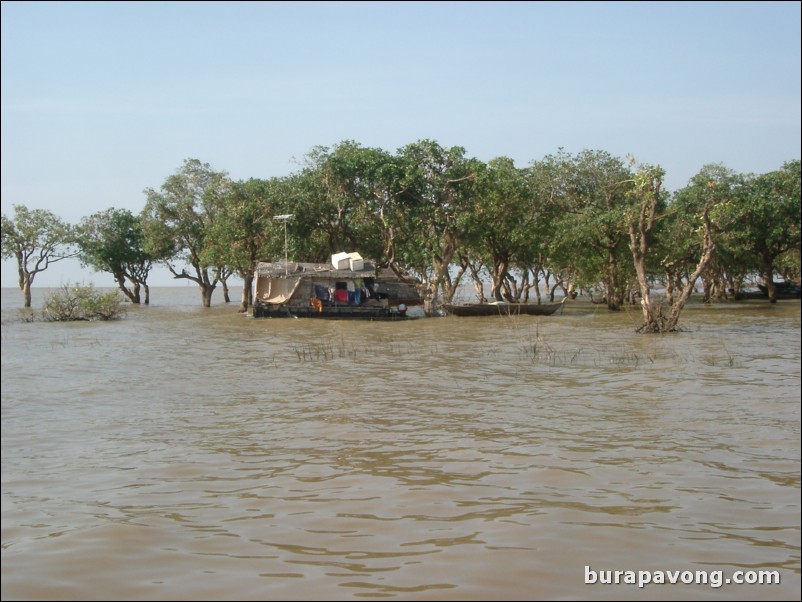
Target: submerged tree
114	241
36	238
504	229
438	186
590	238
178	220
244	231
339	195
766	220
720	189
649	206
82	302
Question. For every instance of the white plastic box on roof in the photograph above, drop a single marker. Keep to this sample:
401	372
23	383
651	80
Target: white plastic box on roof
341	261
356	262
347	261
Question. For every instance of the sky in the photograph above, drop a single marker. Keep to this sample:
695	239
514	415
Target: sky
101	100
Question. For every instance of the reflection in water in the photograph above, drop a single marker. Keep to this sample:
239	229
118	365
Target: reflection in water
186	453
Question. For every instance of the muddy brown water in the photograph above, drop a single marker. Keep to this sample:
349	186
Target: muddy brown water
184	453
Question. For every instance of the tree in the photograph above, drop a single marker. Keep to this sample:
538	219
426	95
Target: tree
504	228
590	234
244	231
649	206
767	219
36	238
341	201
677	246
717	188
371	181
114	241
437	188
178	220
325	215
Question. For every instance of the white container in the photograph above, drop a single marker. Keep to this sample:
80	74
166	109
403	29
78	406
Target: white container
341	261
356	262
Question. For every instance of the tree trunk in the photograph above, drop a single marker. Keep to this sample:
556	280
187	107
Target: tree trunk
536	284
669	286
226	296
201	278
147	294
499	275
207	286
734	282
613	296
453	284
526	286
640	230
639	245
440	265
511	292
133	296
654	319
247	292
767	273
206	294
25	286
476	278
479	287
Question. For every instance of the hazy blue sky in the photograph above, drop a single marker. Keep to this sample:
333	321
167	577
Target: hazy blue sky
101	100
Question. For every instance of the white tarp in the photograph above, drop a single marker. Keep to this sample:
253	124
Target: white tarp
280	290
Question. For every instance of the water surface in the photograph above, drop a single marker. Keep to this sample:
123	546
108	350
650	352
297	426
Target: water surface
184	453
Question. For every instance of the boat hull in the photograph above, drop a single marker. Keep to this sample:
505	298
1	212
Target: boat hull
501	309
782	290
337	312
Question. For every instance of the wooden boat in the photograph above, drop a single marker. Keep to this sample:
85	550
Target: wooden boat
782	290
502	309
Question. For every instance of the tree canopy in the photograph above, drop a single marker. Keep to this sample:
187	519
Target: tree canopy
36	238
434	216
114	241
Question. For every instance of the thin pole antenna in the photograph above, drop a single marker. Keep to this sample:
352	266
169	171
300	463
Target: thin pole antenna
284	219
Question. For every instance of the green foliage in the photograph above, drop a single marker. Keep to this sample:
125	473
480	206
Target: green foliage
177	217
36	238
111	240
244	231
114	241
756	221
506	226
438	186
179	224
68	304
717	188
343	201
768	214
591	197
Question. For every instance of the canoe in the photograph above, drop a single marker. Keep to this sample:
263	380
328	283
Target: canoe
782	290
501	309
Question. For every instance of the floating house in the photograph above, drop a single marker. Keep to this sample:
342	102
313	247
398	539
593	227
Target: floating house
347	287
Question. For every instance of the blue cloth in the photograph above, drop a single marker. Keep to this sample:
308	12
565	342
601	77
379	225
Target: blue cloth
322	292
